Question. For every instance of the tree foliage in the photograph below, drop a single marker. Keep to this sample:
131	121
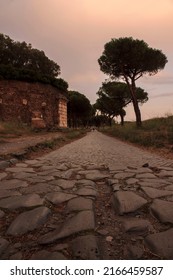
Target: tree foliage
79	109
19	61
131	59
114	96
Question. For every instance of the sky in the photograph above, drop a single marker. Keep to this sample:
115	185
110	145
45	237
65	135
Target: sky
73	34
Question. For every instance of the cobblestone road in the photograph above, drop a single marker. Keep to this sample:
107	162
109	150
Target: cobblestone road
96	198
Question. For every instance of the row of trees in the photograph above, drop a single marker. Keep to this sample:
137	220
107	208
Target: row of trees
122	59
19	61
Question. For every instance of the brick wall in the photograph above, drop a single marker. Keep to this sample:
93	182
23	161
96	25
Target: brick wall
35	104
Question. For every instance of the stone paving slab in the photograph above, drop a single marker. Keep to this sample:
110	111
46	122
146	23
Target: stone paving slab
46	255
145	175
81	222
25	201
28	221
154	193
95	175
79	204
127	201
59	197
3	245
12	184
124	175
85	248
136	225
20	169
87	191
3	175
1	214
85	182
64	184
162	210
7	193
161	243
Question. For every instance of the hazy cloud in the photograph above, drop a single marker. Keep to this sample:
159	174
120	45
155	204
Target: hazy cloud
73	34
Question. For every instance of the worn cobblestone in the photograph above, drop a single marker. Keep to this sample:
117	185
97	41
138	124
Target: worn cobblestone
73	189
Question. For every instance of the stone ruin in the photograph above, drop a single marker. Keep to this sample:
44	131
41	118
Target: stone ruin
34	104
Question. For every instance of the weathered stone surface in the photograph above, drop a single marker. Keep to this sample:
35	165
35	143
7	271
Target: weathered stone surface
39	188
127	201
68	174
21	164
28	221
134	252
112	181
2	214
132	181
123	175
162	210
46	255
31	161
12	184
169	188
59	197
95	175
87	191
151	185
145	175
103	232
4	164
64	184
143	170
7	193
16	256
3	245
82	221
60	247
136	225
166	173
63	167
154	193
3	175
24	175
25	201
85	182
79	204
85	248
161	243
20	169
116	187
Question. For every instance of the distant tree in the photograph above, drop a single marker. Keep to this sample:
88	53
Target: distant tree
130	59
79	109
19	61
114	96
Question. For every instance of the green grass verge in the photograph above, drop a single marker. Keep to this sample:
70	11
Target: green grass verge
156	132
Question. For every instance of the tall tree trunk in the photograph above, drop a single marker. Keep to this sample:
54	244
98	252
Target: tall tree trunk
136	105
132	88
122	119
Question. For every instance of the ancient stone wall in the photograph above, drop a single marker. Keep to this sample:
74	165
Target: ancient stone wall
35	104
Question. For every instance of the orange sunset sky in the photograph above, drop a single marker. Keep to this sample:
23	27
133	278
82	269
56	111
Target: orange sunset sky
73	34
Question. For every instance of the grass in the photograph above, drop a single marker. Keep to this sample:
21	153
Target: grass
156	132
13	129
67	137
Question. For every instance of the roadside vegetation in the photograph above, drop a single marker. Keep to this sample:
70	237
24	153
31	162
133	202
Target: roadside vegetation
12	131
156	133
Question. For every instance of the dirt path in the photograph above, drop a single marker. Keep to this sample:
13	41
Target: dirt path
13	145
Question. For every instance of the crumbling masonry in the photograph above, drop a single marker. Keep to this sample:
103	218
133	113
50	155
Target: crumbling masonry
38	105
